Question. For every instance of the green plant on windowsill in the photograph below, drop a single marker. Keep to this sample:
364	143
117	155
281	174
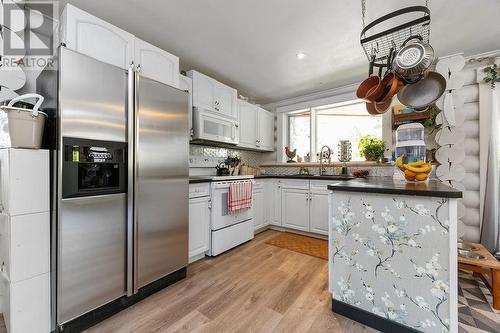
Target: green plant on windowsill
371	148
492	75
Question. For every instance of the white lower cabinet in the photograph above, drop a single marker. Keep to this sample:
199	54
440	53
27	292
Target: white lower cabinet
199	226
261	216
199	221
295	208
318	211
304	205
274	202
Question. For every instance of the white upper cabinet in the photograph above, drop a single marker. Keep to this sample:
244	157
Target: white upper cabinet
186	84
209	94
204	89
156	63
266	129
90	35
225	100
248	124
256	127
87	34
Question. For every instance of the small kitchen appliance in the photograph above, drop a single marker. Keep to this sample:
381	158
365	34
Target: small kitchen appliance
411	152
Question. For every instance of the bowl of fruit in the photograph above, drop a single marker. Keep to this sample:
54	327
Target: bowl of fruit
417	171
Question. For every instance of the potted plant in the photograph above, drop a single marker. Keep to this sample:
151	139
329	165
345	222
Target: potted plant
371	148
492	75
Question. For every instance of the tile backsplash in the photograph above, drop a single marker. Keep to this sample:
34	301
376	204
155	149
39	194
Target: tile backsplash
203	159
292	170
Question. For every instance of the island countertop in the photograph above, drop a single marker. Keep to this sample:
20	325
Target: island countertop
388	185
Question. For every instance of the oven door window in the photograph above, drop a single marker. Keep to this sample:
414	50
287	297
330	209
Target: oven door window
98	176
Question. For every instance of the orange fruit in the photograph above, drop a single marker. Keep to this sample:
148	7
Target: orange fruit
409	178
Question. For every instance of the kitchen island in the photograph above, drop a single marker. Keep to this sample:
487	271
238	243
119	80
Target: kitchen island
393	257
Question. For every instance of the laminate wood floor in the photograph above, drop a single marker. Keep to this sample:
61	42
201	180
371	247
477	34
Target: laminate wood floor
255	287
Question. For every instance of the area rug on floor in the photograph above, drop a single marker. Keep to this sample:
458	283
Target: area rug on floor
302	244
475	310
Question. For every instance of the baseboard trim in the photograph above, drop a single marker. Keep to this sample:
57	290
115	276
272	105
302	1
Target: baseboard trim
196	257
298	232
369	319
96	316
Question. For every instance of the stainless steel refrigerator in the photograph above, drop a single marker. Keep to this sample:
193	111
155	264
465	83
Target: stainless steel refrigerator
120	186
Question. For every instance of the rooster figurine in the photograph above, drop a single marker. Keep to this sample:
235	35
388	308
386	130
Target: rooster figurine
290	154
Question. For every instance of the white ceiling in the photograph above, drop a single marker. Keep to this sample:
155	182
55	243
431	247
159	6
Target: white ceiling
252	44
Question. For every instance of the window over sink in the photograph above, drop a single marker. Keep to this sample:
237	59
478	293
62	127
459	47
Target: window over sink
307	130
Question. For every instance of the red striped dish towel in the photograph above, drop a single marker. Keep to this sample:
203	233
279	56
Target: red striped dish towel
240	196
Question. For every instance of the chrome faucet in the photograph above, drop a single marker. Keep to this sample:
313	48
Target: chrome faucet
324	153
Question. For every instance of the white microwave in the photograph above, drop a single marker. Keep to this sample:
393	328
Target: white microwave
211	126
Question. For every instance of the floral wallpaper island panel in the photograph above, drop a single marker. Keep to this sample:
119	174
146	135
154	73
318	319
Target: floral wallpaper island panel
390	256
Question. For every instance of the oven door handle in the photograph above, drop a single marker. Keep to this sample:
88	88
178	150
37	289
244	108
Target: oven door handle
221	186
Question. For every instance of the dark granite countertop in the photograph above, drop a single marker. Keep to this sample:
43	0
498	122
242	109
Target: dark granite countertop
312	177
384	185
208	179
388	185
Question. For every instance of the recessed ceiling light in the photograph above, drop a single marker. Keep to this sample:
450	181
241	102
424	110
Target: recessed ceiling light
301	55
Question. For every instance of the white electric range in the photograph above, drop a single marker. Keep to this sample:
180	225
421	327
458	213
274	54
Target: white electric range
228	229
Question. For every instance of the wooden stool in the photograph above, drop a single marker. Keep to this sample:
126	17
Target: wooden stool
487	269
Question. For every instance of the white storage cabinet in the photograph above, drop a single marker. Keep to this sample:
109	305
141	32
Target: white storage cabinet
304	205
274	202
261	206
186	84
256	127
295	204
199	220
211	95
25	240
156	63
318	206
88	34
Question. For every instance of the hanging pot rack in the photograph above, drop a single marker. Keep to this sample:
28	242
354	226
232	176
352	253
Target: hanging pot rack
381	47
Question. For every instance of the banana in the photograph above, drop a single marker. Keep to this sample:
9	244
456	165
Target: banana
417	163
425	168
399	162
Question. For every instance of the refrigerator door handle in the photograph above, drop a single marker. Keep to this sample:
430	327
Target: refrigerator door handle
131	227
136	183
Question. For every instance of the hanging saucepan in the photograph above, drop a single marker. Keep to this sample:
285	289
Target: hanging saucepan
384	92
366	91
413	59
424	92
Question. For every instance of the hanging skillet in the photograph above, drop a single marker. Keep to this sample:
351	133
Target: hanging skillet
413	59
424	92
